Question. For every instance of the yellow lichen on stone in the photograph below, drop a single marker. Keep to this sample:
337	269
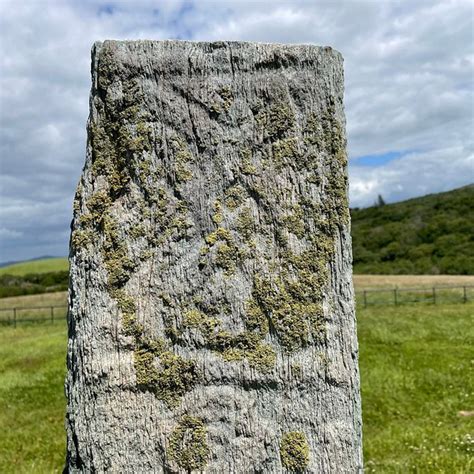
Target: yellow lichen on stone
294	451
187	445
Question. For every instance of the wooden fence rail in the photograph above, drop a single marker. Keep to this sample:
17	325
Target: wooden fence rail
399	296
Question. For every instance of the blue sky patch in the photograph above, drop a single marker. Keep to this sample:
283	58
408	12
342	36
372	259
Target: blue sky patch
379	159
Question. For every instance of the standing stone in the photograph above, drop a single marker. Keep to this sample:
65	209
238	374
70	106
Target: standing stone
211	314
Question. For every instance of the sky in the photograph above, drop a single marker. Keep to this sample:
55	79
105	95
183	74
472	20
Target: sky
409	81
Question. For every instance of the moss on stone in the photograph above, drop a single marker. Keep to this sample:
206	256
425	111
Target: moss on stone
245	224
285	152
227	97
198	320
227	256
218	216
247	345
221	234
294	451
255	318
137	231
277	120
187	445
292	300
294	220
130	325
296	370
176	376
81	238
235	196
182	159
246	166
168	375
125	302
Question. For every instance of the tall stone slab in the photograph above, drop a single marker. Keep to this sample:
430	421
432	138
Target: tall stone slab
211	314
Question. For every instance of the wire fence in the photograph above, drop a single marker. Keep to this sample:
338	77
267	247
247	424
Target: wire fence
399	296
364	298
32	314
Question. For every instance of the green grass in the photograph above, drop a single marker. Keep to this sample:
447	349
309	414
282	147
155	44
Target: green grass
416	369
32	369
36	266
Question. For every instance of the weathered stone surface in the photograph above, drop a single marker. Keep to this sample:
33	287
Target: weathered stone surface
211	316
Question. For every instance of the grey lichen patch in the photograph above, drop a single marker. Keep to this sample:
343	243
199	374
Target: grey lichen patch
187	445
294	451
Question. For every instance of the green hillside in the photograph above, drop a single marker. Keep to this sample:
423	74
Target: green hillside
34	276
44	265
433	234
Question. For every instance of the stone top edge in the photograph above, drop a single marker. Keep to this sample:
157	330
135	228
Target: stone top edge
295	46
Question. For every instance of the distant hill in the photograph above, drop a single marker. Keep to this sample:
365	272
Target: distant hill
433	234
40	265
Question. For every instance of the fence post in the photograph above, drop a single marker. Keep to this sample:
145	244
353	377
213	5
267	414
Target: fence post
395	297
464	300
434	295
365	299
14	317
52	314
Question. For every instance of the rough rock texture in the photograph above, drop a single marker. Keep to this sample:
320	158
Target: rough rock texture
211	315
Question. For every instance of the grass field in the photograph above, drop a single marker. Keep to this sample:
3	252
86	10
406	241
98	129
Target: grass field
416	370
32	367
36	266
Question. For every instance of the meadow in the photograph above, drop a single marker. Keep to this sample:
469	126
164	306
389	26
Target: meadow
43	265
416	364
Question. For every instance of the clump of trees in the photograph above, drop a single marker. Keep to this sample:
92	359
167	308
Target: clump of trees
433	234
33	283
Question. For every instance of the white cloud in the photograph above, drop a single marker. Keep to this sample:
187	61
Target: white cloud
409	75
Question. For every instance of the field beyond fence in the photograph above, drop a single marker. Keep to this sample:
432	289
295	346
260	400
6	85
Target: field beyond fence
35	312
399	296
